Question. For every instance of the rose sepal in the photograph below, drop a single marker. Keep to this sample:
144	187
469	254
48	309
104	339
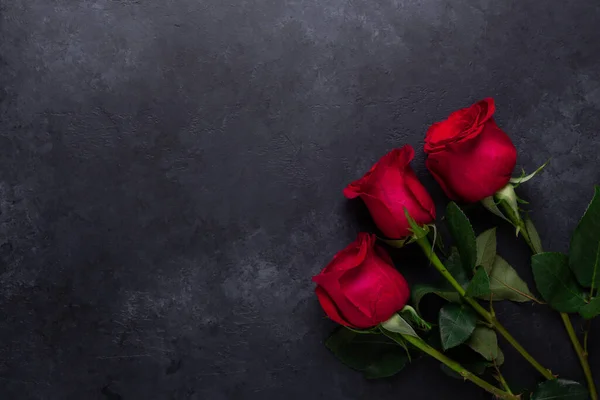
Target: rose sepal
505	203
413	316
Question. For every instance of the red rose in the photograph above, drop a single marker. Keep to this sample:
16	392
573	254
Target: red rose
469	156
360	287
388	188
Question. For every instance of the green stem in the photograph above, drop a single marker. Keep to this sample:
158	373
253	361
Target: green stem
502	330
588	326
456	367
490	318
517	221
582	354
502	380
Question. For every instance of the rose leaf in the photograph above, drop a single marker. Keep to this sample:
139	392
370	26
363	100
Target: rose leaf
505	283
486	249
591	309
463	234
421	290
484	341
560	389
480	284
375	355
456	324
584	252
556	283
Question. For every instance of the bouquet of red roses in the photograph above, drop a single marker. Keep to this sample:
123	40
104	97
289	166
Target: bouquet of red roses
473	161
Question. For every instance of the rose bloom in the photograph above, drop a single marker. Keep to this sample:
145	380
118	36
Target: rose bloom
389	188
469	156
360	288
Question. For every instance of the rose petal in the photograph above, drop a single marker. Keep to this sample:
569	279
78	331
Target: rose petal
461	125
389	188
376	288
487	109
330	308
384	218
354	189
471	171
423	210
395	294
350	257
435	164
360	287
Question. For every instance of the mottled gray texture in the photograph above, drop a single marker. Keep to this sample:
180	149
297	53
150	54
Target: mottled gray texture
171	176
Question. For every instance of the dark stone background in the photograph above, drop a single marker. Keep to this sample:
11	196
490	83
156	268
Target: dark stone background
171	177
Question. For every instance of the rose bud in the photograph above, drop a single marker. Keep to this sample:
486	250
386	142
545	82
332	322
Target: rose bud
469	156
389	188
360	288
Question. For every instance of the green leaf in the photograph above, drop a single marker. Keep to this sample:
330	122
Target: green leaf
490	204
420	290
584	252
533	236
389	364
505	283
398	339
485	342
478	367
591	309
463	234
455	266
500	358
556	283
560	389
456	323
374	355
374	330
480	284
486	249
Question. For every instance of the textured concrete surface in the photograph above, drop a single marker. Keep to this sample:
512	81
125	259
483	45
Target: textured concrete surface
171	177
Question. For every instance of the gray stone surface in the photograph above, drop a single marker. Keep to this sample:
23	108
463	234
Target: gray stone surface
171	177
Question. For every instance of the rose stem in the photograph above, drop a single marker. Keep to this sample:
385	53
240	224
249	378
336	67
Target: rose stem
501	379
581	352
456	367
490	318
